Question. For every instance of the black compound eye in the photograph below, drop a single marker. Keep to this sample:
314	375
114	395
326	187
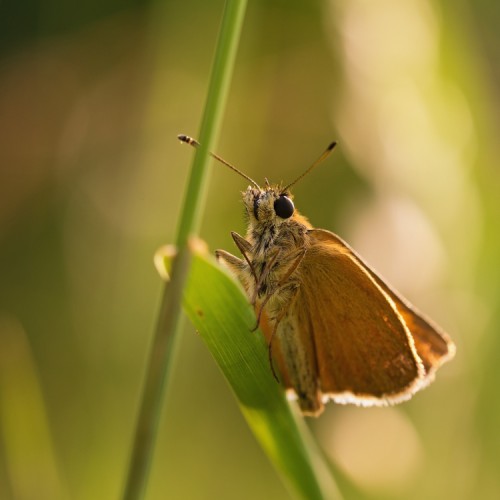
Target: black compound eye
284	207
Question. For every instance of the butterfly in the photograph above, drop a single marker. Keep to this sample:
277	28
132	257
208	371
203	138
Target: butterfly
335	329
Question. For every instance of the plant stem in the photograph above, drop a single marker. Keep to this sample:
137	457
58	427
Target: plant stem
169	317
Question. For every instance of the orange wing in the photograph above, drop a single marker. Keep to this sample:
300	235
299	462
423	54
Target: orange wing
433	345
370	346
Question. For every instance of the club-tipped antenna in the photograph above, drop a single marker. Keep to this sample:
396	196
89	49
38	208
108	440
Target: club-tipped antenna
195	144
323	157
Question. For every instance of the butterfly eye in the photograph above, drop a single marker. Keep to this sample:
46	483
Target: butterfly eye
284	207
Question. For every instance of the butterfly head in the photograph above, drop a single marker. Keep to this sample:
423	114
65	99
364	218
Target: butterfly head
270	205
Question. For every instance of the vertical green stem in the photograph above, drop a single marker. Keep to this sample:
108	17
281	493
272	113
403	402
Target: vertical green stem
169	318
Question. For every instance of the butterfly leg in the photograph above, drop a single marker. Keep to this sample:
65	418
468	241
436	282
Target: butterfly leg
273	257
237	266
234	263
240	268
270	344
296	259
245	248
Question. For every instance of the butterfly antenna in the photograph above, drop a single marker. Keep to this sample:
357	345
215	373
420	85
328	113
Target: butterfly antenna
195	144
323	157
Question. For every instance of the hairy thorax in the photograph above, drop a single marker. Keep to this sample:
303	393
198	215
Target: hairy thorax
276	250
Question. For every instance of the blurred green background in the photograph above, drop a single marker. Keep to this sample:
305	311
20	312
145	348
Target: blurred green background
92	96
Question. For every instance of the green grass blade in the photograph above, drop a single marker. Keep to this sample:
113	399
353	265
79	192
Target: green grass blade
219	310
169	318
218	91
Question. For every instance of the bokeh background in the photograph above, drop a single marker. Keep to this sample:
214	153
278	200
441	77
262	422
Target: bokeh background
92	96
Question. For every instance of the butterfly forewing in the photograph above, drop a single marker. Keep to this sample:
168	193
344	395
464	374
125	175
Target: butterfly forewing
365	353
433	345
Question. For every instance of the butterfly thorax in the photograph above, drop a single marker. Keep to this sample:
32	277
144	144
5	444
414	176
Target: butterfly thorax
275	240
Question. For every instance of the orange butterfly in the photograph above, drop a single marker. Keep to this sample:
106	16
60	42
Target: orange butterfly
335	329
